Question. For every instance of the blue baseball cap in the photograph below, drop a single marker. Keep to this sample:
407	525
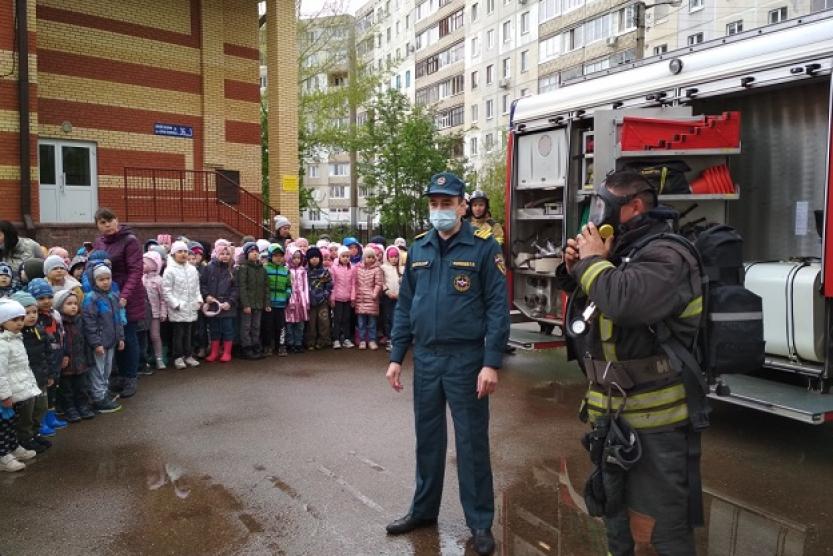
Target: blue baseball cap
446	183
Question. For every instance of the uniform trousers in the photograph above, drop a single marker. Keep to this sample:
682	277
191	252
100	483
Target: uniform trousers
449	376
656	512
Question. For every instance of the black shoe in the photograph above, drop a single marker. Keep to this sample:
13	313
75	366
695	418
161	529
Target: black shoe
71	414
129	386
86	412
484	542
407	524
106	406
42	441
32	445
145	370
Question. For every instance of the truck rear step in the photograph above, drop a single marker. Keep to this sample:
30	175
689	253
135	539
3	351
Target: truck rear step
777	398
527	336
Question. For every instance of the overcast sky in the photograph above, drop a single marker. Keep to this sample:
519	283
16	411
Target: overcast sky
329	7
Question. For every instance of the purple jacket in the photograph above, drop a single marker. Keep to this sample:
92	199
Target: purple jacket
126	255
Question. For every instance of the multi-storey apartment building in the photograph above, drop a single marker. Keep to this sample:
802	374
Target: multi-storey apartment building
439	44
579	37
501	65
387	27
668	27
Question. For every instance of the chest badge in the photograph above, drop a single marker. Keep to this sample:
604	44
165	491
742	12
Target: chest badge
462	283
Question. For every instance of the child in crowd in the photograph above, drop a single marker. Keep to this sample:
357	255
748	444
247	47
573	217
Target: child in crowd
279	290
73	391
39	353
320	288
297	310
50	322
219	291
253	291
355	248
199	330
390	293
76	267
6	280
152	281
341	298
369	283
57	274
181	286
17	385
104	333
28	271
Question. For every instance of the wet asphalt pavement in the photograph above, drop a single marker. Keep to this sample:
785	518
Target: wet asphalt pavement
313	454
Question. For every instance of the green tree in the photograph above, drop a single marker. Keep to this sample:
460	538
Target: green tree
400	149
491	179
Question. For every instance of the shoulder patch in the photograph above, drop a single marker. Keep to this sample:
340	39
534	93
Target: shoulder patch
483	233
423	234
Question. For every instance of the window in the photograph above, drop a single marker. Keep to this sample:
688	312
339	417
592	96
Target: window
475	109
597	29
473	146
490	39
627	19
489	142
490	6
475	47
507	68
408	21
397	27
312	171
388	35
550	48
504	104
524	93
570	5
398	82
340	169
778	15
524	61
661	49
398	54
573	39
474	12
548	9
474	80
507	31
313	214
407	78
548	83
490	74
364	191
524	23
450	118
338	192
451	23
734	27
596	65
695	5
696	38
490	109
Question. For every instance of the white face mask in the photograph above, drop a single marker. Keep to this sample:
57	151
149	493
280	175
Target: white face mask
443	220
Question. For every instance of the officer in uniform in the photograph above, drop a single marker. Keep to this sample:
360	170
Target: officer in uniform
648	296
453	307
480	215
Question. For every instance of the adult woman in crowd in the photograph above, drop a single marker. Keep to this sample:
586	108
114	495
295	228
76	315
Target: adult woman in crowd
14	250
125	253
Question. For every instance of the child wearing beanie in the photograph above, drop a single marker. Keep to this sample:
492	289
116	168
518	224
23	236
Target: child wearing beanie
253	291
32	412
369	283
73	393
104	332
57	274
181	285
219	290
297	309
320	288
50	321
17	384
279	281
6	280
341	298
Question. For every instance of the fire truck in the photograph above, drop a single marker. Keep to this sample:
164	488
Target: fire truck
744	124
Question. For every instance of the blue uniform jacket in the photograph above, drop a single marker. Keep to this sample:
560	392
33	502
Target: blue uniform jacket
456	300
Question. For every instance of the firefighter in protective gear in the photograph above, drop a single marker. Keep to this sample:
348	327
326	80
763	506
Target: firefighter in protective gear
630	375
480	217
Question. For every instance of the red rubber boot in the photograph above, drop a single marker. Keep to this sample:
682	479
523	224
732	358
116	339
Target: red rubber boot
227	345
215	351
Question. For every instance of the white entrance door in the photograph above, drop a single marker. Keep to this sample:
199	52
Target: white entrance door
68	181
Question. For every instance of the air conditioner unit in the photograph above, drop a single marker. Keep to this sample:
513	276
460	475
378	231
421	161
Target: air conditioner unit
503	83
611	41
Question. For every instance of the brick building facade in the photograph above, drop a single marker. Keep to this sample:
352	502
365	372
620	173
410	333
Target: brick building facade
134	83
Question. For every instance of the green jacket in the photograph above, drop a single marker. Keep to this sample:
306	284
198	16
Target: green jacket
253	286
280	284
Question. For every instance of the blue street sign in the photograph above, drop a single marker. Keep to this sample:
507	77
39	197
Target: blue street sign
174	130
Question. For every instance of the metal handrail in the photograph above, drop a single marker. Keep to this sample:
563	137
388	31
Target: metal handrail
193	196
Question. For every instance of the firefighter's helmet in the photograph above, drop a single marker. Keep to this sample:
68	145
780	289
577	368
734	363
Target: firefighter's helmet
479	194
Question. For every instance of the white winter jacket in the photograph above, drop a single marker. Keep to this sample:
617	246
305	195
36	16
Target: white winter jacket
181	286
16	379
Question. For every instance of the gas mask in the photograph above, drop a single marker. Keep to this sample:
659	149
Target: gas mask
605	206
